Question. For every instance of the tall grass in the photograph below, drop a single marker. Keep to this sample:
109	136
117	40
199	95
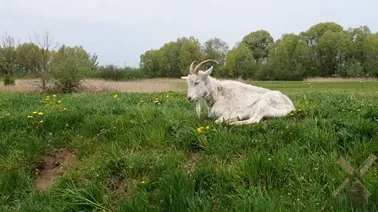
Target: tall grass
133	149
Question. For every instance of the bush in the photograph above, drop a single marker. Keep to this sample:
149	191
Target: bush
112	72
69	67
8	80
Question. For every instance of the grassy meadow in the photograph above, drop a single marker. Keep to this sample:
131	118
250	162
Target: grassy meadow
111	151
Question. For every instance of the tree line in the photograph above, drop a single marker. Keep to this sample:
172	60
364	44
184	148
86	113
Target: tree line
324	50
58	67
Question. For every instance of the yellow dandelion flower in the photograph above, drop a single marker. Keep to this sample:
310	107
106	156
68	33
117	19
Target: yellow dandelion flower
156	102
30	117
41	121
143	182
141	102
59	102
35	112
199	130
54	96
64	109
40	113
167	96
207	127
299	109
115	96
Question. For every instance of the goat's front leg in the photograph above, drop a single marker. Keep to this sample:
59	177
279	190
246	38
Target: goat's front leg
226	119
220	120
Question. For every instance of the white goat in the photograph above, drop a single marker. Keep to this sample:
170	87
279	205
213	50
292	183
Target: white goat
231	101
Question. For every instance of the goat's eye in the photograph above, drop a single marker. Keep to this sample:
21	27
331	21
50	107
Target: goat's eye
196	83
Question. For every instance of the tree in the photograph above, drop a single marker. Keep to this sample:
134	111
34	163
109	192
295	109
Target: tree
258	42
28	57
317	31
322	55
8	56
170	60
240	62
357	55
69	67
288	59
46	46
334	50
93	61
371	52
215	48
189	50
150	62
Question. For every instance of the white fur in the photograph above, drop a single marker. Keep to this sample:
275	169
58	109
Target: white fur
235	102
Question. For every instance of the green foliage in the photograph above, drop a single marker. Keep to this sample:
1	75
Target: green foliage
69	66
8	56
240	62
288	59
112	72
133	156
215	48
326	49
29	58
172	59
371	52
258	42
8	80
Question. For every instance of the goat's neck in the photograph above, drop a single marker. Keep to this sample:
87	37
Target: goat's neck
212	95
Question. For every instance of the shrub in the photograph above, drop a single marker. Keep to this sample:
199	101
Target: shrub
8	80
112	72
69	67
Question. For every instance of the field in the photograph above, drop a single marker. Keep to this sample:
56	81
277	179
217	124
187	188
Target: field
119	149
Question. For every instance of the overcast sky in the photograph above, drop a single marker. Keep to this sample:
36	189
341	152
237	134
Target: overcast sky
119	31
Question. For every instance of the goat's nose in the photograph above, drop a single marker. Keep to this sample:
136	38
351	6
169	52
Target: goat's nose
189	98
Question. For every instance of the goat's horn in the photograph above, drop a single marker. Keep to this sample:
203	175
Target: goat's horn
196	69
191	67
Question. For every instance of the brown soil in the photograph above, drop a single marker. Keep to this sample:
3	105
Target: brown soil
192	158
52	167
117	184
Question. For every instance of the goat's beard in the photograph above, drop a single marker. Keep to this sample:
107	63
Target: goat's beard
198	107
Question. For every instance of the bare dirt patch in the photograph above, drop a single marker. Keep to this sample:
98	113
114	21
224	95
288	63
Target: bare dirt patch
117	184
192	159
52	167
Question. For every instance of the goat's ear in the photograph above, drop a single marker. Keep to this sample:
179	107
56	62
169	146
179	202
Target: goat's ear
185	77
208	71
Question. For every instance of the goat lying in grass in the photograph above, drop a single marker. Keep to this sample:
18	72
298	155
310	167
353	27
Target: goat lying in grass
231	101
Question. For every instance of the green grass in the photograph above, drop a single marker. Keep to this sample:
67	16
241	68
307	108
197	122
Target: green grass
133	157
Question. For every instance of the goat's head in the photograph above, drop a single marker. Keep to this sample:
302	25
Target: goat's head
197	80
